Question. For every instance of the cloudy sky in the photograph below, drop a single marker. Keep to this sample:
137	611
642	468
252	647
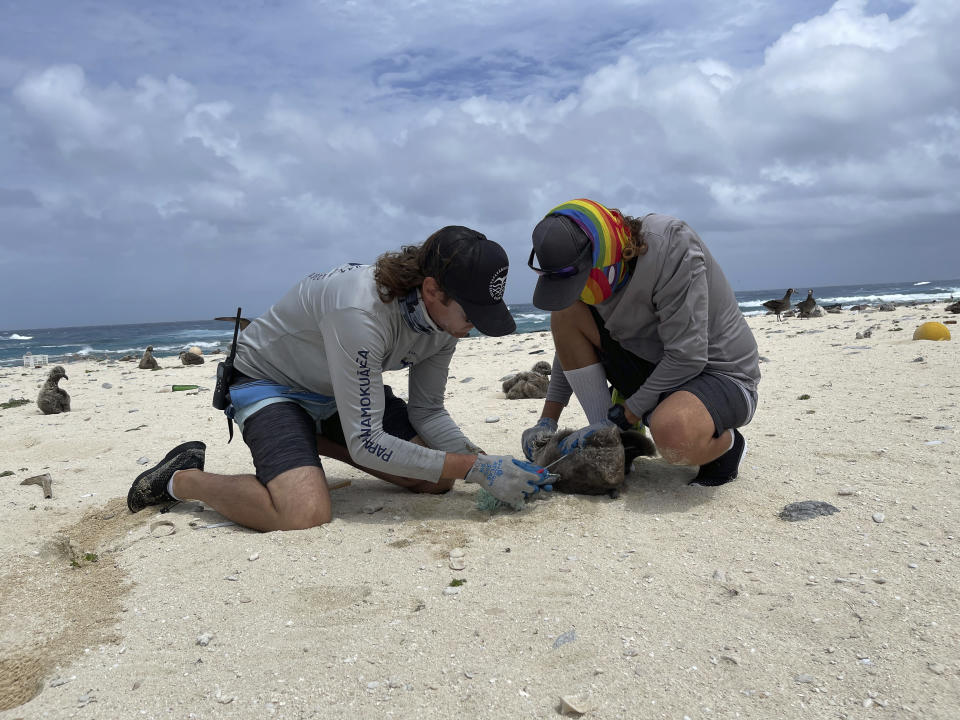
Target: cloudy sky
173	160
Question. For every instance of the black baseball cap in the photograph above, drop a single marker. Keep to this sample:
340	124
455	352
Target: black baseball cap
565	254
473	271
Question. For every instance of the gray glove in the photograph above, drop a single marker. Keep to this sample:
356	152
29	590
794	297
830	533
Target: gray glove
507	479
576	439
545	427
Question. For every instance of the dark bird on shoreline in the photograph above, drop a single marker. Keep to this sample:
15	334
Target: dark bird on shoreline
52	398
779	306
806	306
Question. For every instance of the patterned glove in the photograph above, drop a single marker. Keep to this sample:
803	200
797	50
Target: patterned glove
507	479
545	427
576	439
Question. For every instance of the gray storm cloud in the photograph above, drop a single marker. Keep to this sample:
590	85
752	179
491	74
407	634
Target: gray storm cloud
175	184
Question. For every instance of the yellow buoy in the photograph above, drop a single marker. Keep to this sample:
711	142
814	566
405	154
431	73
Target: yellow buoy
931	331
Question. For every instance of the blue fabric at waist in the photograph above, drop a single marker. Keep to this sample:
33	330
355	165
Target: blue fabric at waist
246	394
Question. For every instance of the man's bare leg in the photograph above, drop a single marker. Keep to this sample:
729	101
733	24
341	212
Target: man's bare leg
575	336
294	500
330	449
683	430
681	425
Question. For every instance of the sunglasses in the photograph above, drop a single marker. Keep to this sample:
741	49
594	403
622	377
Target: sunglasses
560	273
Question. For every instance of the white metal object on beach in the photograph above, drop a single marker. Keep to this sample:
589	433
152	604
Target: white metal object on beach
34	361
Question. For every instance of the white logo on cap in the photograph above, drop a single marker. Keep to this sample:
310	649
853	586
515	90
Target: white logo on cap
498	284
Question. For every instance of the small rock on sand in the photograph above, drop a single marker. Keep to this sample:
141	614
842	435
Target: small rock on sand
806	510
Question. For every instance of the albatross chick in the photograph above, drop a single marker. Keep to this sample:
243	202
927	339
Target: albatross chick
52	398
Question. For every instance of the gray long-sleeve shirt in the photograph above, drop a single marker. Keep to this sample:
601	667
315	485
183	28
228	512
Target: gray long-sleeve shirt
677	310
331	334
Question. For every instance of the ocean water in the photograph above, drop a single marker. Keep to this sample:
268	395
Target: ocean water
169	338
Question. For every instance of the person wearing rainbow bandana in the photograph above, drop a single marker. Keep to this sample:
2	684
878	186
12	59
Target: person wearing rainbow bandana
642	304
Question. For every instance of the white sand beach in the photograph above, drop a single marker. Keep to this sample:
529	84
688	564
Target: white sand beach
668	602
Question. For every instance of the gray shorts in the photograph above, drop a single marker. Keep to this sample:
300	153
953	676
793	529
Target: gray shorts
730	404
283	435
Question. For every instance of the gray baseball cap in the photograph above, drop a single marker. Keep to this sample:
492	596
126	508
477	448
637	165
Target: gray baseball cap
565	256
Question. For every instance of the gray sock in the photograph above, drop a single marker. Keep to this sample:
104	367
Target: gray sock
590	386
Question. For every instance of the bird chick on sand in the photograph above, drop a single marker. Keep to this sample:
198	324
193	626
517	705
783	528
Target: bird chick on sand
531	384
148	361
526	385
806	306
52	398
191	358
599	466
542	367
779	306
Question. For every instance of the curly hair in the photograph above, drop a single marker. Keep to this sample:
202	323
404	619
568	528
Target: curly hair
636	246
397	273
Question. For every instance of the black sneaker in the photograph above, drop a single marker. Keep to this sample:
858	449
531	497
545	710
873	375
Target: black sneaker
725	468
150	487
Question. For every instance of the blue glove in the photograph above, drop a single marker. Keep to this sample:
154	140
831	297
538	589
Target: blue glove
545	427
576	439
507	479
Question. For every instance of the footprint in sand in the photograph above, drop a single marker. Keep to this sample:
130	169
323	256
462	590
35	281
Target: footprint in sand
56	604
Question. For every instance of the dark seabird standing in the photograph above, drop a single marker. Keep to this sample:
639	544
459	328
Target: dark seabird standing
806	306
779	306
52	398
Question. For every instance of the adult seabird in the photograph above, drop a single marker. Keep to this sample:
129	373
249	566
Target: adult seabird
779	306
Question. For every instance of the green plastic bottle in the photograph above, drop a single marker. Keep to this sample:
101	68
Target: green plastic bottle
178	388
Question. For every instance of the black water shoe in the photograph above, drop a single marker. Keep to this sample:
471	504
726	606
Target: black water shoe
726	467
150	487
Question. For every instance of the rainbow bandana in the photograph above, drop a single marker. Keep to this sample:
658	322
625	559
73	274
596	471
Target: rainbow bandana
609	233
